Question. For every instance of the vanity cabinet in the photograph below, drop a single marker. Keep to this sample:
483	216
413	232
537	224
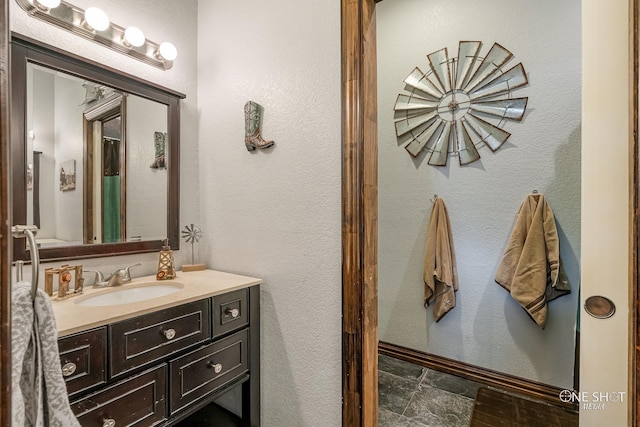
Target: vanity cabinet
142	340
137	401
160	367
202	371
83	359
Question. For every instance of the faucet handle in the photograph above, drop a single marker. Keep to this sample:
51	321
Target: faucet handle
99	276
127	273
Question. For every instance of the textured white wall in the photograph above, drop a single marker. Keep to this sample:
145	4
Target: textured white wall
275	214
160	20
487	328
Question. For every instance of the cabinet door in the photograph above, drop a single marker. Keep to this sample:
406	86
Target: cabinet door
83	360
207	369
230	312
137	401
139	341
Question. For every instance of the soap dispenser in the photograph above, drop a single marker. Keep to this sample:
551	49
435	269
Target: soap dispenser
166	266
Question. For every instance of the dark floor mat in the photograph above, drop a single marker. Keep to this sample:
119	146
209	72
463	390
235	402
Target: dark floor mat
494	408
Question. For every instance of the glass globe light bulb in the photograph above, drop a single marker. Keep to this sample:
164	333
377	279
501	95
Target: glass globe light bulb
49	4
96	18
168	51
134	36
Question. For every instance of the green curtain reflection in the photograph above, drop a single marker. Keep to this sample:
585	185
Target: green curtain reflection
111	209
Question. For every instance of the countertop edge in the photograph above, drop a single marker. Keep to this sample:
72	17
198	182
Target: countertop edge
72	318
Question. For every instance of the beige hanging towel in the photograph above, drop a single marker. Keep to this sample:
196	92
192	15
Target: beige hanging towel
531	269
440	275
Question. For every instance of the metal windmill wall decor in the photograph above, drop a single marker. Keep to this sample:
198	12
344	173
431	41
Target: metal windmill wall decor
450	108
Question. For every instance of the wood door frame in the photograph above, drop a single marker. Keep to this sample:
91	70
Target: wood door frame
634	333
359	215
359	223
5	222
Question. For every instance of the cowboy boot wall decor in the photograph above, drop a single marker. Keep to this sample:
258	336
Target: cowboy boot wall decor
252	119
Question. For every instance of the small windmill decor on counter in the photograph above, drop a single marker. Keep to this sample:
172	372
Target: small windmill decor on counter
192	234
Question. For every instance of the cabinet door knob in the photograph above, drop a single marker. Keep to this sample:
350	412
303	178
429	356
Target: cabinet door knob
169	333
233	312
109	422
217	367
68	369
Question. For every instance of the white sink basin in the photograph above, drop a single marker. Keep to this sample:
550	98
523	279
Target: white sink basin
129	294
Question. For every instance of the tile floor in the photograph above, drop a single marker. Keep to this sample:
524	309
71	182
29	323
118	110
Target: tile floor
412	396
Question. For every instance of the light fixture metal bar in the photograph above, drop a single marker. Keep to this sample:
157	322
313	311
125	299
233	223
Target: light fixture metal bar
71	18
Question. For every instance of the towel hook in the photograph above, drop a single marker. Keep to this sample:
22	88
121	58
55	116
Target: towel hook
435	196
534	191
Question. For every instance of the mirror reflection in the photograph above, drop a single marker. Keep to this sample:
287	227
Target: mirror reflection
95	161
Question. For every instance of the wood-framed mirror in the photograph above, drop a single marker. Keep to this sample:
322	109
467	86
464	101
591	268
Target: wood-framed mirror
107	148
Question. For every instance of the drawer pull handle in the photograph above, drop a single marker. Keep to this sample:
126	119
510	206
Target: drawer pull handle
217	367
233	312
68	369
169	334
109	422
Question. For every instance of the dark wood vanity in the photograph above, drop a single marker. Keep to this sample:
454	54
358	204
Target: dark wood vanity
161	367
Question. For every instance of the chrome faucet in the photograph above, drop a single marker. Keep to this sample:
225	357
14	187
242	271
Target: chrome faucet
117	278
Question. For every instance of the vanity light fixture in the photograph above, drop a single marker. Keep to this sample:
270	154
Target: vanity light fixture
93	24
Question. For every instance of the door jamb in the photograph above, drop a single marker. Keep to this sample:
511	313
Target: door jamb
5	221
359	215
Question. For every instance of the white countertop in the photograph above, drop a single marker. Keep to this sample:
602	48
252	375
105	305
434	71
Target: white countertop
72	317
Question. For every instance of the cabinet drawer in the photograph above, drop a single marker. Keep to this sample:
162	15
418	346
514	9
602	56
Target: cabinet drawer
137	401
141	340
82	357
202	371
229	312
